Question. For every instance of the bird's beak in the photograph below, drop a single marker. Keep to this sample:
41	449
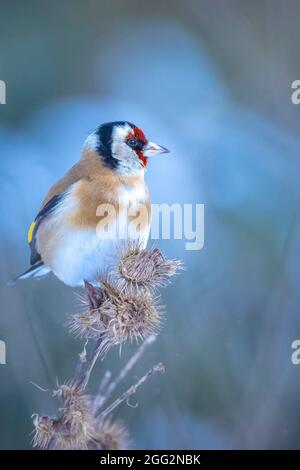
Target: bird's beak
151	148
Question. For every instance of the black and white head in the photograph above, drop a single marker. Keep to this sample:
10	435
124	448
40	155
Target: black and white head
123	146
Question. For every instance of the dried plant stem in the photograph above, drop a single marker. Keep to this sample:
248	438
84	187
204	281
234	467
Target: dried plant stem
126	369
131	390
100	398
104	382
86	366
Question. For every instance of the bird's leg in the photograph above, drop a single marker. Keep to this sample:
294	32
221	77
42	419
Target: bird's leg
92	294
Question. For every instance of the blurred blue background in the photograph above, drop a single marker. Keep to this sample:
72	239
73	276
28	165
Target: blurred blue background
212	82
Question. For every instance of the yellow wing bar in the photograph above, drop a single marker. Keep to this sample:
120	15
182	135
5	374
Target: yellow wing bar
30	232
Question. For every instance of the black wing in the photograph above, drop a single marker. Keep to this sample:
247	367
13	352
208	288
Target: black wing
48	208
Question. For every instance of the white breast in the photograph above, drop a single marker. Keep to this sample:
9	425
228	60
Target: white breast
133	196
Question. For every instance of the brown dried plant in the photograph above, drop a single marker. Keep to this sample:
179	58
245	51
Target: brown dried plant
123	308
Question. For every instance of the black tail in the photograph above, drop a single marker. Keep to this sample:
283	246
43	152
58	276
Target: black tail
36	270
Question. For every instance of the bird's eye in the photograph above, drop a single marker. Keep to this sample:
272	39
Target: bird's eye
133	143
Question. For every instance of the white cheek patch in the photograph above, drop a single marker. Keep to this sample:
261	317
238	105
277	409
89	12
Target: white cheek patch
119	147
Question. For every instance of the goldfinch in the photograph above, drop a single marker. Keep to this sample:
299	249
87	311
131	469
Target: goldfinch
68	236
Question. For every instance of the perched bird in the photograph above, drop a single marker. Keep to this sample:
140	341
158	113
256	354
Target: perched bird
77	230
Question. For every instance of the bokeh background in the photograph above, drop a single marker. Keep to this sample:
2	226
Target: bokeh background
211	80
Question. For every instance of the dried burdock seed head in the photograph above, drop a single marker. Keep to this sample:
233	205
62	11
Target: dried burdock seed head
124	314
76	411
146	268
77	421
86	324
110	435
43	431
128	316
69	393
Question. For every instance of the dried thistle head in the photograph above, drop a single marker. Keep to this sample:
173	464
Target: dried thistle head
72	429
86	324
44	431
122	308
130	316
145	268
76	409
109	435
122	315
